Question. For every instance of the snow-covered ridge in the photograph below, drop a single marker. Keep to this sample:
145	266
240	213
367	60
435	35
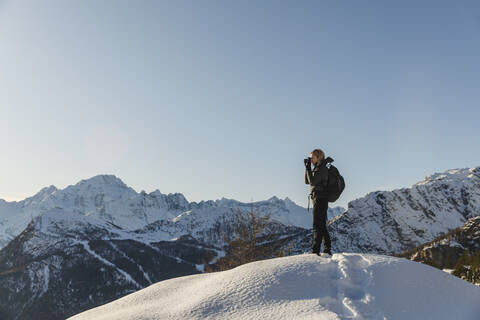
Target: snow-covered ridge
107	198
451	175
394	221
305	286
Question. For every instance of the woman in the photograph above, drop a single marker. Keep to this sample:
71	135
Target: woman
318	179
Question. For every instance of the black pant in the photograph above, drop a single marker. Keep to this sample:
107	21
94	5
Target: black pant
320	207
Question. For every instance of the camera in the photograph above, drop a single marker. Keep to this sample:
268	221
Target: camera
307	161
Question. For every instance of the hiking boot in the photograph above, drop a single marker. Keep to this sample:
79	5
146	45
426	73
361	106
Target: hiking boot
327	251
316	249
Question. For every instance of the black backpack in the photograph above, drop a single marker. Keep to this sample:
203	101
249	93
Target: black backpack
335	184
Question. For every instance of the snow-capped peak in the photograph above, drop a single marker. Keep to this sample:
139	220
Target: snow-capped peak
226	202
452	175
155	193
41	195
273	199
103	179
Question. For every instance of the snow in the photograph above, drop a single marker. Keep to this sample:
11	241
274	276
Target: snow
127	276
46	277
305	286
450	242
145	275
218	255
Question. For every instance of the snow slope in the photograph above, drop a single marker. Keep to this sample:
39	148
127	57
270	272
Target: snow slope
305	286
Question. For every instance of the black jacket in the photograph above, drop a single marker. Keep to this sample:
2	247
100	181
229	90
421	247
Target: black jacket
318	178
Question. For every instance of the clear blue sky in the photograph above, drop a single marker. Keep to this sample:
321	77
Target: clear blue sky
225	98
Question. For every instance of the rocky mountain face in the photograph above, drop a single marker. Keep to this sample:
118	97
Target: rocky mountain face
389	222
444	251
47	276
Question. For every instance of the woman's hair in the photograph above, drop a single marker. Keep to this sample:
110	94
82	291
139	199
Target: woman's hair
319	153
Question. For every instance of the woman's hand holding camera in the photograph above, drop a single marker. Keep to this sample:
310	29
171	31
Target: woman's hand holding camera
307	162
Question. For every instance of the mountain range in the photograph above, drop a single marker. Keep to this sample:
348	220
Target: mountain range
106	199
65	251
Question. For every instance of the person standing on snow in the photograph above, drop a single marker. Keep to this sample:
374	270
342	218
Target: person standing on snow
318	179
